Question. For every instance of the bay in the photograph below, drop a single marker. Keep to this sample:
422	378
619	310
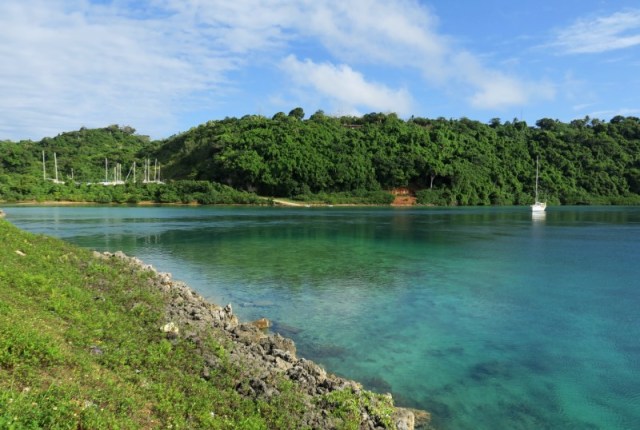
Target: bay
483	316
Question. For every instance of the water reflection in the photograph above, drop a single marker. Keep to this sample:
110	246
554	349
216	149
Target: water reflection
538	216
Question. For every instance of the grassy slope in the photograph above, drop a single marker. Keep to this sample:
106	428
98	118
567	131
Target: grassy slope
80	347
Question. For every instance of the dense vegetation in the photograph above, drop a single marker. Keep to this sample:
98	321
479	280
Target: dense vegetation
81	348
460	162
81	169
443	161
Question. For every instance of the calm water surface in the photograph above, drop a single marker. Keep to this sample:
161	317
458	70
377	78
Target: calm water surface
484	316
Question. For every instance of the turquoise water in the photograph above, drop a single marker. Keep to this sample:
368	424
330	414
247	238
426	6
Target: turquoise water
484	316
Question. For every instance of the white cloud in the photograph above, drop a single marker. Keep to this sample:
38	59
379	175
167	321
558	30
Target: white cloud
618	31
347	88
582	106
72	63
404	34
615	112
399	32
239	26
496	90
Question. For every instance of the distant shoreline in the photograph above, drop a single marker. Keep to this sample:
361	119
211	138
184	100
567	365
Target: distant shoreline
276	202
83	203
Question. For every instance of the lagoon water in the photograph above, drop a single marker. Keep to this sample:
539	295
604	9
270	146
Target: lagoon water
484	316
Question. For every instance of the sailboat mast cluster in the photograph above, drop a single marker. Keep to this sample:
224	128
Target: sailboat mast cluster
44	169
116	174
147	173
112	176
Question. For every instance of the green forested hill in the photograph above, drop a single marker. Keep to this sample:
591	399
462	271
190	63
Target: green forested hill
444	161
80	158
81	166
82	151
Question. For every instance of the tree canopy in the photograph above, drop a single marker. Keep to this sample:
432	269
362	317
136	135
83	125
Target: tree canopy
443	161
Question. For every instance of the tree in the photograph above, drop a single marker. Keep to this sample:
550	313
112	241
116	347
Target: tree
297	113
318	116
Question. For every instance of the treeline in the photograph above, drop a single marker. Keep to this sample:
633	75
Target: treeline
350	159
450	162
201	192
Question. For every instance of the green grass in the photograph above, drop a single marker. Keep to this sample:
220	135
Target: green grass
81	348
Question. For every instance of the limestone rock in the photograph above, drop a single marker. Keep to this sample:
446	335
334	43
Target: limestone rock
248	333
170	328
95	350
404	419
262	323
282	343
423	418
264	357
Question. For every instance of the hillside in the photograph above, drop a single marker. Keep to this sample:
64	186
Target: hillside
450	162
83	152
344	159
101	341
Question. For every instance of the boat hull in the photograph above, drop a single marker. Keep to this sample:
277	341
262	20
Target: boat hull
538	207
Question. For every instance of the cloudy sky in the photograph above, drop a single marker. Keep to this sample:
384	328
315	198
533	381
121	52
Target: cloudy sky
164	66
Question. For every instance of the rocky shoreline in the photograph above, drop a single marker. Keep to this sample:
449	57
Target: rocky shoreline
267	357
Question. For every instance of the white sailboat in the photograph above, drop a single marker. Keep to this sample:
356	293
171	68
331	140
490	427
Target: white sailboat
538	206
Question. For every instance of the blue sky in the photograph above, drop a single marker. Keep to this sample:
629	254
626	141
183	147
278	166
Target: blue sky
164	66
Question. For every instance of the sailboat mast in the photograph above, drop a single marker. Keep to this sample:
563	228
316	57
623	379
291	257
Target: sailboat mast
55	163
44	168
536	179
106	170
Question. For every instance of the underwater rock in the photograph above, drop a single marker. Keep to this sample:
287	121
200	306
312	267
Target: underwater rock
377	384
490	369
445	352
285	329
328	351
264	304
